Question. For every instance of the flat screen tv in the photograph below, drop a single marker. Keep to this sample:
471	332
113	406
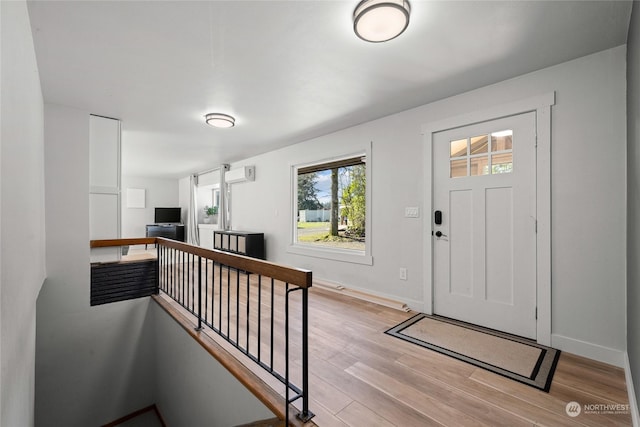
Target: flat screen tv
168	215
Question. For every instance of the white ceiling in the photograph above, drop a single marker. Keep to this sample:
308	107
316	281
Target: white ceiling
287	70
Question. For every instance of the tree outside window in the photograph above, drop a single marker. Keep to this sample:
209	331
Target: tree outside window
332	204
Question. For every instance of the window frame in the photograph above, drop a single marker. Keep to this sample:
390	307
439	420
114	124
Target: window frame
325	252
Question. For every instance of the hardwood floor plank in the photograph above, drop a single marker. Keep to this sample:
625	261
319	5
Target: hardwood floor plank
363	314
357	415
331	397
445	392
556	400
522	408
604	381
324	417
395	412
435	409
343	360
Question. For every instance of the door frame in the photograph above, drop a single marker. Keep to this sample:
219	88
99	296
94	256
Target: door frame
541	106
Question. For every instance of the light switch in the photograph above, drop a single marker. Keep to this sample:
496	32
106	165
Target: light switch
412	212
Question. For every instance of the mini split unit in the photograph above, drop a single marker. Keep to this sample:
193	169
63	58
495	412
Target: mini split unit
245	173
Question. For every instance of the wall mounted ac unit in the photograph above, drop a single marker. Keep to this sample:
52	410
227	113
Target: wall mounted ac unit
245	173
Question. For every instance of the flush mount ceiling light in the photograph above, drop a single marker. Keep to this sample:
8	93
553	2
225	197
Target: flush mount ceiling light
379	20
220	120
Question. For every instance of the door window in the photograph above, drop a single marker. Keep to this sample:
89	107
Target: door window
475	156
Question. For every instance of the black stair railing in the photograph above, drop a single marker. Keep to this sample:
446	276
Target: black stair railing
258	307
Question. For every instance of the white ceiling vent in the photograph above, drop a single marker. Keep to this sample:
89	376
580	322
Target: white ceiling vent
245	173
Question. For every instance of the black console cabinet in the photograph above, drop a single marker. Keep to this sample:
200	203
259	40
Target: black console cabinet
239	242
170	231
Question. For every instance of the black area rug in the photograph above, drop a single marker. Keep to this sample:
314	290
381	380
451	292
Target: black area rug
511	356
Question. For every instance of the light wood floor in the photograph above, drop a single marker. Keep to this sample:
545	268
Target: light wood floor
363	377
359	376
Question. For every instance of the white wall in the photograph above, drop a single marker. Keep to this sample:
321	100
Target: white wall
193	388
160	192
22	228
633	197
93	364
588	198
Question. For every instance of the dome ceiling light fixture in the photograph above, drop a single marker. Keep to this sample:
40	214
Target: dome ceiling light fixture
219	120
379	21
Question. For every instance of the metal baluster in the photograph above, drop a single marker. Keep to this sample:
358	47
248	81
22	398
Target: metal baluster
171	272
193	284
180	268
305	415
199	293
220	299
237	306
259	314
248	302
160	266
286	353
158	271
228	296
206	292
174	272
271	345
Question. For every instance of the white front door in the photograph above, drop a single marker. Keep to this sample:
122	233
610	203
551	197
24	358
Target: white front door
484	242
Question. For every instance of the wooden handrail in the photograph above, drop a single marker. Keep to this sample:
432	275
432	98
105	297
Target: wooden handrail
294	276
122	242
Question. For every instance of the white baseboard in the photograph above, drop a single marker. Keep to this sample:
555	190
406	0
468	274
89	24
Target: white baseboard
366	295
589	350
633	402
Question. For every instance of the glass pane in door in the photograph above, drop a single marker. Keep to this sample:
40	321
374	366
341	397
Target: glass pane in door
458	168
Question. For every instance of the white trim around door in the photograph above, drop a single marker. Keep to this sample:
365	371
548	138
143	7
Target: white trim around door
541	105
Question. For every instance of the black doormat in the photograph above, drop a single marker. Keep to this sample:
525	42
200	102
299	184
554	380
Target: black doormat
517	358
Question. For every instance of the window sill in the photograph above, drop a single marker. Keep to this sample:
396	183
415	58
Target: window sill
350	256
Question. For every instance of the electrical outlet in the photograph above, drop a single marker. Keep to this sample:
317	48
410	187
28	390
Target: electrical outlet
411	212
403	273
